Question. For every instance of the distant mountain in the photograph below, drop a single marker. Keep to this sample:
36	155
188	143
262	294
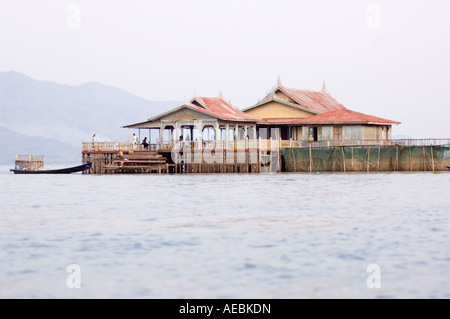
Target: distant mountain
70	113
14	143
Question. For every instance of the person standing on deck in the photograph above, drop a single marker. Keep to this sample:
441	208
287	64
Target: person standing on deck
145	143
120	158
94	137
134	141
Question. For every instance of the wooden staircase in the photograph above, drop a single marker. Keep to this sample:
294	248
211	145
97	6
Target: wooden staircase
139	162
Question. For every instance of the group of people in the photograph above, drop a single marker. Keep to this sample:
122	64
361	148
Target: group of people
136	141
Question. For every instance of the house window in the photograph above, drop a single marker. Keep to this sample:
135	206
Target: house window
223	133
209	134
231	136
315	134
240	133
251	133
263	133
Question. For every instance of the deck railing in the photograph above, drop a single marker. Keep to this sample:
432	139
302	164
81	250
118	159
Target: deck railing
29	162
256	144
393	142
106	146
423	142
30	158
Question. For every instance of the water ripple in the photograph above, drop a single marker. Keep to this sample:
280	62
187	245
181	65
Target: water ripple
226	236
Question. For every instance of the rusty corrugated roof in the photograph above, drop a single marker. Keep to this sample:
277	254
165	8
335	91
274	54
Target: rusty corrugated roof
316	101
344	116
219	108
327	109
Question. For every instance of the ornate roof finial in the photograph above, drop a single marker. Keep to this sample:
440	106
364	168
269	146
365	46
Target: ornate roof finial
195	93
279	81
324	88
220	95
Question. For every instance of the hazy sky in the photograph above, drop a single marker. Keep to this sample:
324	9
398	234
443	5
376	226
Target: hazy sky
385	58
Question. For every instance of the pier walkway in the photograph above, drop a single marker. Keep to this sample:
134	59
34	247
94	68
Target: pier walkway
258	155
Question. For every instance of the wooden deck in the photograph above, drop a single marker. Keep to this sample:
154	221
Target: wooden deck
187	161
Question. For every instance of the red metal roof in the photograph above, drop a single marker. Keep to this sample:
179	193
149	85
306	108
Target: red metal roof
219	108
344	116
330	111
316	101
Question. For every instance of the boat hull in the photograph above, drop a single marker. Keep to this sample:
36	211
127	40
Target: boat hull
68	170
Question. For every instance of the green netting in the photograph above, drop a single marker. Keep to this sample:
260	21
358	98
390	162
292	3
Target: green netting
365	158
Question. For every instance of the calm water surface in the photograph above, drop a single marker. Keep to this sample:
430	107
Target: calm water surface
225	236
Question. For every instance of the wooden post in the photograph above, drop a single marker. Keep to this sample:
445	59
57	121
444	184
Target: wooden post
258	159
227	133
432	158
424	158
160	141
293	158
410	155
279	169
397	158
353	168
379	151
310	159
245	137
343	157
368	159
201	157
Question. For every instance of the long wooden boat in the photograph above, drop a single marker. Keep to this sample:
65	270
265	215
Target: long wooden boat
68	170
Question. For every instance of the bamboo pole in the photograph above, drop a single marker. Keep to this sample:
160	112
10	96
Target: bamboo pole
353	168
258	159
310	159
432	158
279	169
424	158
379	151
343	157
410	160
293	158
397	158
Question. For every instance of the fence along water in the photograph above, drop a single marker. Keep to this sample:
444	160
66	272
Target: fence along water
366	158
